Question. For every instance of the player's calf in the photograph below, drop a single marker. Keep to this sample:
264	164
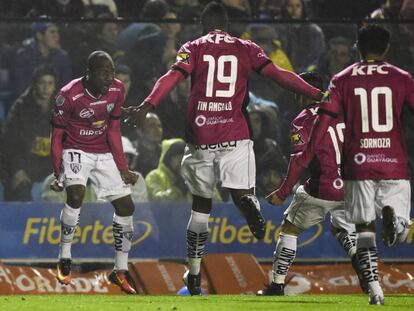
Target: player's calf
250	208
389	226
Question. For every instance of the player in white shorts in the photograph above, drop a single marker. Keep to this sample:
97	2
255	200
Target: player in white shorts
219	65
86	144
370	95
321	194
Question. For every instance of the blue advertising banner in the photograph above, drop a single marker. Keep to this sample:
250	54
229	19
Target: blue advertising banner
31	230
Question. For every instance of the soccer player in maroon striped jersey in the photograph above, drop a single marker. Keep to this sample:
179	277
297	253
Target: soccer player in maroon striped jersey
322	193
219	147
370	95
86	144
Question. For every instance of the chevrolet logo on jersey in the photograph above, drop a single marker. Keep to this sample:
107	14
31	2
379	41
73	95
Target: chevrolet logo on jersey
183	57
296	139
98	124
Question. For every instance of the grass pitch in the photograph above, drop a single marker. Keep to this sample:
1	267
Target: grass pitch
202	303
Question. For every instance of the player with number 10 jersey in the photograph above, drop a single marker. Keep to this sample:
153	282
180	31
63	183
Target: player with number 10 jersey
372	94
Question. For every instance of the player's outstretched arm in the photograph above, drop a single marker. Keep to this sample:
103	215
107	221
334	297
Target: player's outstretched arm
56	151
161	89
291	81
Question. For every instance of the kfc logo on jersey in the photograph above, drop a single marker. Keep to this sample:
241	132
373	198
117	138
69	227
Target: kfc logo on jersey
86	113
366	70
110	107
217	38
60	100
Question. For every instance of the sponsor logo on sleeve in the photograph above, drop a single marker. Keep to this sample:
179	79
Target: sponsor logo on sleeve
183	57
60	100
296	139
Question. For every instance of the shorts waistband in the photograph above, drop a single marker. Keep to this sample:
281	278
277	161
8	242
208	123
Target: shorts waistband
227	144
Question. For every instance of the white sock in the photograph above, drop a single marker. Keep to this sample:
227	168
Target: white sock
368	261
283	257
69	219
347	241
123	229
197	235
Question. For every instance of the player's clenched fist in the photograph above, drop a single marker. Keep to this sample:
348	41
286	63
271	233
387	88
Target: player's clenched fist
129	177
56	186
274	199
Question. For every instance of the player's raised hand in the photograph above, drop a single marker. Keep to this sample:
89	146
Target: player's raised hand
136	115
129	177
274	199
56	185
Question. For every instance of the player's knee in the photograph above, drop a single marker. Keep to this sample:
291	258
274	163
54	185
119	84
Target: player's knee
289	228
124	206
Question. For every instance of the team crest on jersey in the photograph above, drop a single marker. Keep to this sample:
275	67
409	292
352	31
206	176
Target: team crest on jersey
110	107
183	57
296	139
86	113
60	100
75	167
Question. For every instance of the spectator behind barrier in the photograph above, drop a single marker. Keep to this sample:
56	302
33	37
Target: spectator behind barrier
26	136
303	43
59	8
148	144
338	56
148	48
165	183
42	48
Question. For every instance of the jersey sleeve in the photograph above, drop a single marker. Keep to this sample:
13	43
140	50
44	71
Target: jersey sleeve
185	61
117	111
299	135
258	57
332	102
61	110
409	98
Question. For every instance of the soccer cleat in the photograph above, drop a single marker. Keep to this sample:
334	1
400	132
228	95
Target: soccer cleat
64	275
376	300
193	283
389	226
362	283
272	289
250	208
123	280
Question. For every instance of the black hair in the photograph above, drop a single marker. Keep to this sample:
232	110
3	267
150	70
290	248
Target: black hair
123	69
373	39
155	9
214	16
44	70
313	79
96	57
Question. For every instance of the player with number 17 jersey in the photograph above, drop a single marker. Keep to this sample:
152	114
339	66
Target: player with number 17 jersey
374	147
220	66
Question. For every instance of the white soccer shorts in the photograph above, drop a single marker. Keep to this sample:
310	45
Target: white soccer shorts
100	168
231	163
306	211
364	199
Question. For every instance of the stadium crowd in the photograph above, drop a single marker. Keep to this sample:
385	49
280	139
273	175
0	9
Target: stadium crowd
39	56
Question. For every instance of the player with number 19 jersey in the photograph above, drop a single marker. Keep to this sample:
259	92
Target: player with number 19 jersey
219	65
374	147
